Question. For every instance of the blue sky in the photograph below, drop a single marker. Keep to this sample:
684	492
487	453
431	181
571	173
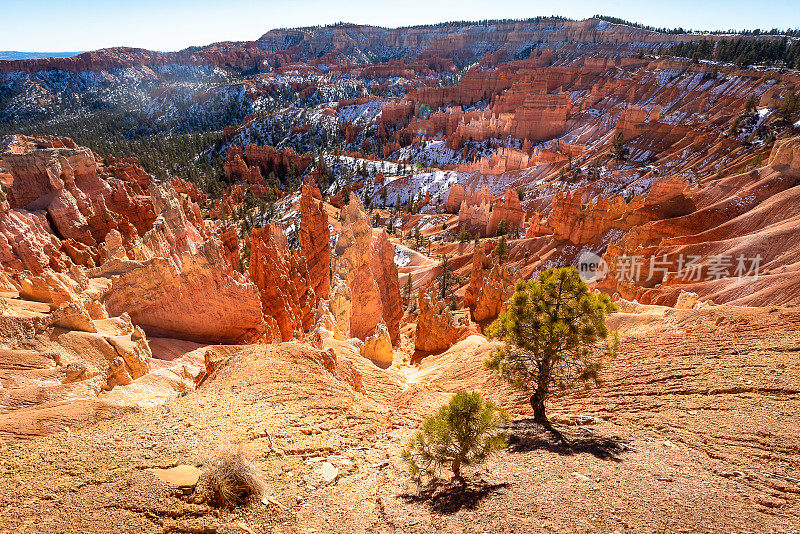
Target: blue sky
33	25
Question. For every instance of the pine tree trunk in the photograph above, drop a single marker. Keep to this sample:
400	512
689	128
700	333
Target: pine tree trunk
540	395
537	403
456	466
539	415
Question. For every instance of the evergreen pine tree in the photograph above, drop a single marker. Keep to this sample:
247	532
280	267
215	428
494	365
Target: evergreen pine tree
552	329
464	432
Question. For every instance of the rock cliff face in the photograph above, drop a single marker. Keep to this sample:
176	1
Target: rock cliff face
354	252
314	236
194	299
68	202
481	264
65	364
178	227
145	244
231	251
576	218
282	279
457	41
255	162
28	243
498	286
507	210
786	152
384	271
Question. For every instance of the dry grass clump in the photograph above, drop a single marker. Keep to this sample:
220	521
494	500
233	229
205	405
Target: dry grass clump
230	479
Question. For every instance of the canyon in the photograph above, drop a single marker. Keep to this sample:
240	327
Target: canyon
316	271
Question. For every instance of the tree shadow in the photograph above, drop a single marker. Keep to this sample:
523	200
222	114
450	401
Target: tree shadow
447	498
525	435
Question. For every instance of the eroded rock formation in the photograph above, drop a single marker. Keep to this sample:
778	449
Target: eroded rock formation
436	328
384	271
282	279
195	298
62	202
354	252
378	347
314	236
490	285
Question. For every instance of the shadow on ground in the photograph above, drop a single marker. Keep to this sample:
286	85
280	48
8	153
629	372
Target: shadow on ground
525	435
449	497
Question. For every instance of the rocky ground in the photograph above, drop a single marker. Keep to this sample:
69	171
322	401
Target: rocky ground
693	430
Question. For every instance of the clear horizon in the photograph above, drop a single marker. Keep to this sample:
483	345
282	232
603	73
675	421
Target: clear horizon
85	25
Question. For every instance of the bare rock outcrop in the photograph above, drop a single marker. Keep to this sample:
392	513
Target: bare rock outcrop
378	347
73	317
178	227
341	303
231	250
506	211
28	243
366	289
64	368
282	279
491	284
354	248
82	198
195	299
498	286
786	152
686	300
436	329
481	263
115	248
62	201
384	270
314	237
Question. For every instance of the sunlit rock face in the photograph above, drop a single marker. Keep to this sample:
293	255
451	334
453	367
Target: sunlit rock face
354	252
436	329
384	271
282	279
314	237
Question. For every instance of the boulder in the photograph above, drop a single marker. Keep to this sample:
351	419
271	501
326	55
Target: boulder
182	476
328	472
116	374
